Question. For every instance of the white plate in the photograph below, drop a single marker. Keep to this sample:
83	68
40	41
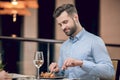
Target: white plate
57	77
14	75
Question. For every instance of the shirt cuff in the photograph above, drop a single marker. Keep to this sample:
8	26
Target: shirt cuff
87	66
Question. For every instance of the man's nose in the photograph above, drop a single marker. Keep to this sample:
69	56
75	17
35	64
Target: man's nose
63	27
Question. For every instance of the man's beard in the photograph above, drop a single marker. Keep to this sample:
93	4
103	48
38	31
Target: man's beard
72	30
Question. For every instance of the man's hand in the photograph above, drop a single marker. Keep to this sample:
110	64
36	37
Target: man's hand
54	67
70	62
4	75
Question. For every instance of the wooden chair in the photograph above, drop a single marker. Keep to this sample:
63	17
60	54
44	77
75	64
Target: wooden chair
116	63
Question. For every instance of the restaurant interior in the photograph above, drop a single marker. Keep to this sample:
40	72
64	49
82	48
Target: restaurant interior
30	27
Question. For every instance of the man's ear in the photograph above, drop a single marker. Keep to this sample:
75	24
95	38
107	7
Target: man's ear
75	17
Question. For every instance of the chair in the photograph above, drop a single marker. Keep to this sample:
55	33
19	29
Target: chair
116	63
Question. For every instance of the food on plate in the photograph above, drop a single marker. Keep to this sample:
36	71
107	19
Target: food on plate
47	75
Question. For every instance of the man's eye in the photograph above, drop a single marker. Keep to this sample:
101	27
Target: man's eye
65	22
60	25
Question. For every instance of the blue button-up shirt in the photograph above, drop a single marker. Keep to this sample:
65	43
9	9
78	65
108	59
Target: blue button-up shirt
92	51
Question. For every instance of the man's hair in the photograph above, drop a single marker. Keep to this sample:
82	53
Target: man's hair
69	8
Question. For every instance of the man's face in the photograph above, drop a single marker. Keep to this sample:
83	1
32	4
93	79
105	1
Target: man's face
67	24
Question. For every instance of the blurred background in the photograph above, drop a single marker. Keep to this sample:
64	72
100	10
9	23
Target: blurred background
100	17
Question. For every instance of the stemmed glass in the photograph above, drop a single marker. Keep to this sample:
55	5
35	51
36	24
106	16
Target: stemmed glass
38	61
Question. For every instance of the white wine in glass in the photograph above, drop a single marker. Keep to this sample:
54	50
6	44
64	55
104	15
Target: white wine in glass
38	60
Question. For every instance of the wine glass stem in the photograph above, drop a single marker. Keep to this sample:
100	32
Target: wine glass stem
38	74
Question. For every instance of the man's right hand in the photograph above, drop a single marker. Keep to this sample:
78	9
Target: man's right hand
54	67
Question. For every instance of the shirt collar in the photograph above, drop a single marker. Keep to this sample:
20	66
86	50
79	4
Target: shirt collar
78	36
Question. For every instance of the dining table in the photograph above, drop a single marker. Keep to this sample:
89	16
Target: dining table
16	76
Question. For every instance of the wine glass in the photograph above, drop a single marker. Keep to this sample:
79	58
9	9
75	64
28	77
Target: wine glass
38	60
